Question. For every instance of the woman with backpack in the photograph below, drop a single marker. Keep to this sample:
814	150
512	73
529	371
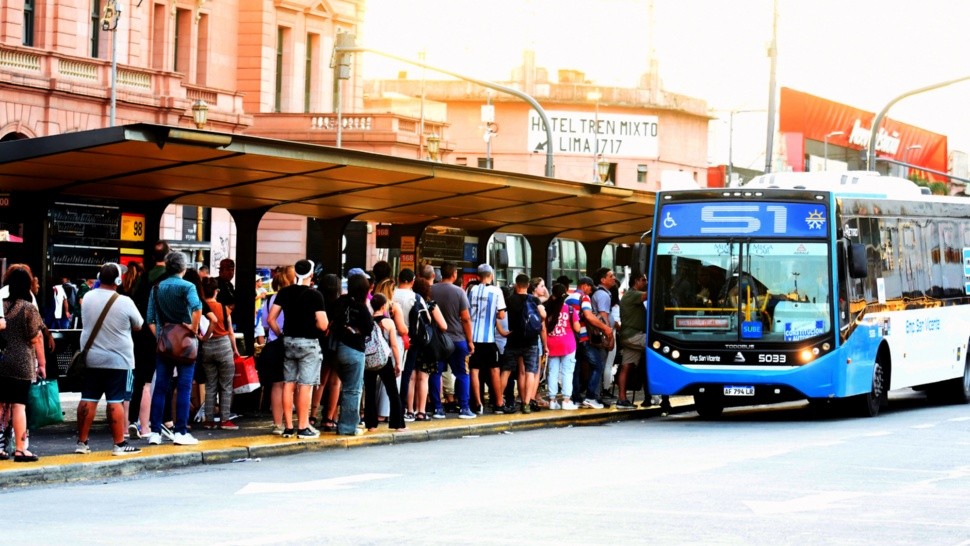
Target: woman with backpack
353	323
425	364
387	374
562	325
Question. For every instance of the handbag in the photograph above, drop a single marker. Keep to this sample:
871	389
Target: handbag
376	350
245	379
44	405
176	343
441	345
79	362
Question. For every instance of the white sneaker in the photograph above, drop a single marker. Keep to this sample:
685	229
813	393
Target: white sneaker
82	448
185	439
554	404
155	439
592	404
569	405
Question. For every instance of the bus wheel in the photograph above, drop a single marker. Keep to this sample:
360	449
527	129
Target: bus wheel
707	406
960	387
870	403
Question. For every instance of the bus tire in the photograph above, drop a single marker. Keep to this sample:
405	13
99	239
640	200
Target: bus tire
869	404
708	406
959	388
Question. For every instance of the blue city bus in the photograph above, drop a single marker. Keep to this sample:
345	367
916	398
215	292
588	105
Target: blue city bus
818	286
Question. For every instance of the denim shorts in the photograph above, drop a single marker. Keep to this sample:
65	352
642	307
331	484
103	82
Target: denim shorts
111	383
302	361
530	357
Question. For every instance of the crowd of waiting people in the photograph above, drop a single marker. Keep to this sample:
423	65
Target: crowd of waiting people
520	348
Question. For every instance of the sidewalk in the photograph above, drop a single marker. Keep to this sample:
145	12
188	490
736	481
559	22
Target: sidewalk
58	462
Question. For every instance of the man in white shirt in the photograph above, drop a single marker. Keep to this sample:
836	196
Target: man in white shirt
486	306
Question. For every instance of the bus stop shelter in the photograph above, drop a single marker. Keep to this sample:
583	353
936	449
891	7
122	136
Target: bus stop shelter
146	167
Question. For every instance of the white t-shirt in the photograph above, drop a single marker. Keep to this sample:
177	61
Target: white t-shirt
113	347
59	297
405	298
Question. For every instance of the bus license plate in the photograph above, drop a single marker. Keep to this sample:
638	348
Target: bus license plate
739	390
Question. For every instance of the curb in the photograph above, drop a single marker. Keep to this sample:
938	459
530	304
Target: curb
250	447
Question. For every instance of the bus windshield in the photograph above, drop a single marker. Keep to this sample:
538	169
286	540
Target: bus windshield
741	289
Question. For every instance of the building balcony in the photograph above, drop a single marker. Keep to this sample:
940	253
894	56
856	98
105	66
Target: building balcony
142	94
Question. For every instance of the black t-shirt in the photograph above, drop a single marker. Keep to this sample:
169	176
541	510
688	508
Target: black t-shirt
300	304
513	310
227	293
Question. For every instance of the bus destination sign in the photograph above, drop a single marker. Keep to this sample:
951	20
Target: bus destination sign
743	219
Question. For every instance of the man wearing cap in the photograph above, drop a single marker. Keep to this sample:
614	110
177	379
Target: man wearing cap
306	321
580	301
453	303
110	360
486	305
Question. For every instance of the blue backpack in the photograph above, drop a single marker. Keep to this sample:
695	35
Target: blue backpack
531	320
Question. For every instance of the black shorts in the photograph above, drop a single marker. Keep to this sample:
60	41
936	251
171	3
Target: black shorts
14	391
114	385
485	357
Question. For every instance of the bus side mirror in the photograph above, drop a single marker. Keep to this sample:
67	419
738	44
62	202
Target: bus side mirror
858	265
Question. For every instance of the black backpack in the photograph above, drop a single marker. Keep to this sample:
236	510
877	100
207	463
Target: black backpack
420	319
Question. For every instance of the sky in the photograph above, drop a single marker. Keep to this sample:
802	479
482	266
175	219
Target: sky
862	53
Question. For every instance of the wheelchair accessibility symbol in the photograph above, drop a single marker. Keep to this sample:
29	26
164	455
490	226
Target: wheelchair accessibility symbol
669	222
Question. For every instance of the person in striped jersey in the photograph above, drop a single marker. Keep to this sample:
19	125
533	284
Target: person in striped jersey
486	306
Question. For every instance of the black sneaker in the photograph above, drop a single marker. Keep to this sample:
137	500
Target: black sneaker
307	433
624	404
534	406
498	410
288	432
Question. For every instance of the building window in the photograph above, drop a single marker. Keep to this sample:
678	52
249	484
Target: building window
183	41
484	163
29	23
202	51
95	28
642	173
158	36
278	101
310	73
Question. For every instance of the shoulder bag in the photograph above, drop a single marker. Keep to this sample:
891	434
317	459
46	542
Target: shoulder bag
441	346
177	343
79	362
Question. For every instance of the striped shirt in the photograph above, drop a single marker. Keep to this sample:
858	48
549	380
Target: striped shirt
485	301
580	302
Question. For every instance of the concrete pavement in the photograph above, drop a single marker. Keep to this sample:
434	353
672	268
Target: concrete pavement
58	463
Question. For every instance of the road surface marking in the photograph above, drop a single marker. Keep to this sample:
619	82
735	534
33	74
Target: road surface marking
344	482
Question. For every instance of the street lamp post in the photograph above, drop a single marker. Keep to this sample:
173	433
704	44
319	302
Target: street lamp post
595	96
730	167
341	50
109	22
909	149
825	147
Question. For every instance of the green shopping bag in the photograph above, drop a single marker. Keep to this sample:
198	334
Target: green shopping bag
44	405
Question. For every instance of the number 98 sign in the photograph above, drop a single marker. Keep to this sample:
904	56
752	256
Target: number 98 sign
132	227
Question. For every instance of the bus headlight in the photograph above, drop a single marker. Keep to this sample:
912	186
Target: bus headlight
807	355
675	355
656	345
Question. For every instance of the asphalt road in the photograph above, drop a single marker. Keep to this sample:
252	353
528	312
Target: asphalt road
780	475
